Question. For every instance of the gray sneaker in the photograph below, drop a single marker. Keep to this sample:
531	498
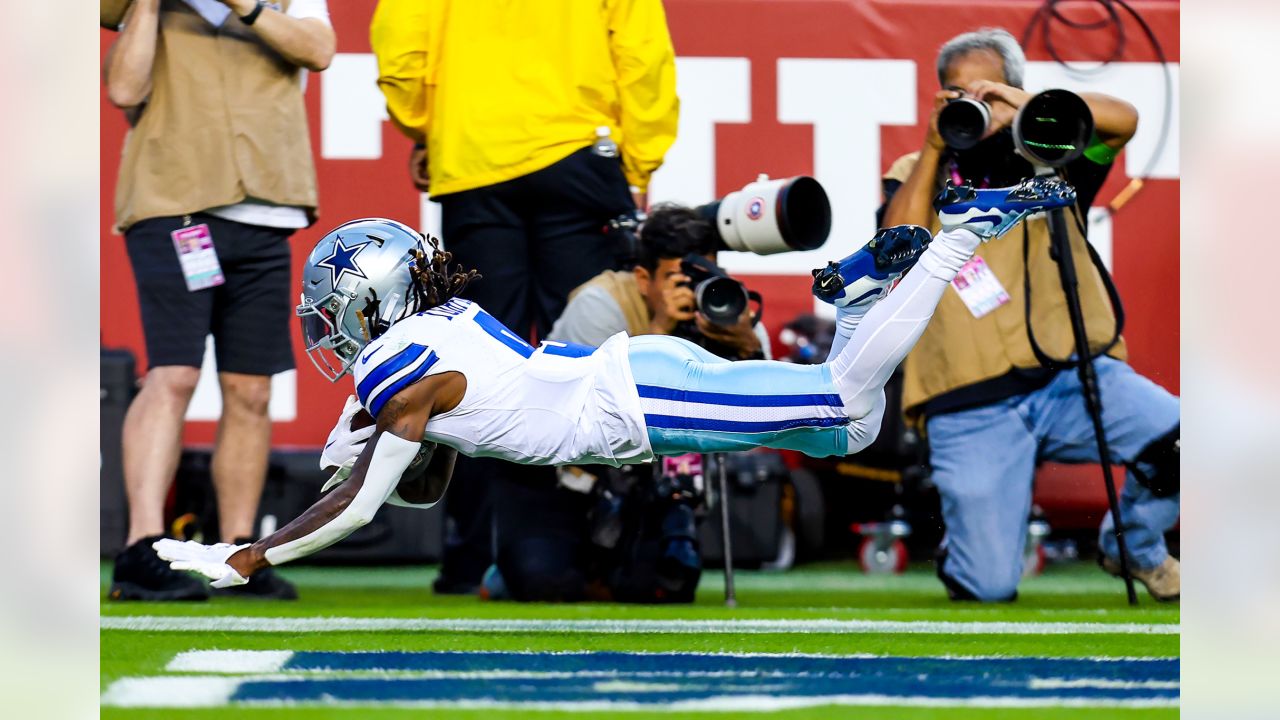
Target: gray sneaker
1163	581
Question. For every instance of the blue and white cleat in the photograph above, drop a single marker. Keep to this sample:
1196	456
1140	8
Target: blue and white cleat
991	212
867	275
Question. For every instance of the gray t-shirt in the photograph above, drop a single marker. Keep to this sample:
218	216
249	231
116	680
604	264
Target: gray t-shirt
590	318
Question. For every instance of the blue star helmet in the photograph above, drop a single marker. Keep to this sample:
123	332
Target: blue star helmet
357	282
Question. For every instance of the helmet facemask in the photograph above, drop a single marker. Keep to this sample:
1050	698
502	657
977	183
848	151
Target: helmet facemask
330	348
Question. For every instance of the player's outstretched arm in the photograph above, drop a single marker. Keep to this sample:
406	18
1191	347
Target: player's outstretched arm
347	508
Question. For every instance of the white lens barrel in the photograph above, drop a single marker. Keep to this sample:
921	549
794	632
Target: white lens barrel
748	218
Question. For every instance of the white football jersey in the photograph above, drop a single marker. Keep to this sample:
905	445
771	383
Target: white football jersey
552	405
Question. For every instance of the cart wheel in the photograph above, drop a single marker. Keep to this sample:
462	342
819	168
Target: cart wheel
900	549
1033	562
877	561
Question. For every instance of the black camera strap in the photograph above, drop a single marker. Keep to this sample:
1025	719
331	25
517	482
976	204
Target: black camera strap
1114	295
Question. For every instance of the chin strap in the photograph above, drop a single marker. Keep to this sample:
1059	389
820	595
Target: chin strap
391	457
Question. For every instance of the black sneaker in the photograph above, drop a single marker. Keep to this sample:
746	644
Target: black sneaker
140	574
263	585
445	585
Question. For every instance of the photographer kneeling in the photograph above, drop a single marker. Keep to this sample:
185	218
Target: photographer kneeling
992	410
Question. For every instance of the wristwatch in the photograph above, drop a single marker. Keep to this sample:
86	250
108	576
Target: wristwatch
254	13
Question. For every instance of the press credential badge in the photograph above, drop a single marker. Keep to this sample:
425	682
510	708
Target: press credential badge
198	258
979	288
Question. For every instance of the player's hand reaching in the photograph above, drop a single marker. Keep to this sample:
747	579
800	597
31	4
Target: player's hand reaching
208	560
348	437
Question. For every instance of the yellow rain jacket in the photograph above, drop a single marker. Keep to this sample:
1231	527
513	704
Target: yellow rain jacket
497	89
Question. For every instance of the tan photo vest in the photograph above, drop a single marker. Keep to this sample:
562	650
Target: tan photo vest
958	350
225	121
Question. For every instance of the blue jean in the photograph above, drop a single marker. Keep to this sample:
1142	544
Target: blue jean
984	459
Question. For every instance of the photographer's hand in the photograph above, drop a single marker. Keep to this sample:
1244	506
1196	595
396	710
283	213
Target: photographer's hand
307	42
741	336
932	138
1004	101
676	306
418	169
912	204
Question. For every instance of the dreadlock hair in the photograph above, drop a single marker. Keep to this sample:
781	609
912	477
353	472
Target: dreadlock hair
433	281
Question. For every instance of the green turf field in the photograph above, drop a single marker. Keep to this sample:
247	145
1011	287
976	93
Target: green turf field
467	658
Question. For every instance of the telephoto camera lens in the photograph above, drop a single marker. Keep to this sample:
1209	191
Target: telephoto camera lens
722	300
962	122
772	216
1053	128
716	295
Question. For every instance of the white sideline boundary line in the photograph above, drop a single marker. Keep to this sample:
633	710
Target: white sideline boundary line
201	691
273	661
1102	684
233	623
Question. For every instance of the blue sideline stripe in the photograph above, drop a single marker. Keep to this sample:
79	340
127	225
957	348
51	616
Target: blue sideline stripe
714	398
394	388
677	663
685	677
386	369
676	422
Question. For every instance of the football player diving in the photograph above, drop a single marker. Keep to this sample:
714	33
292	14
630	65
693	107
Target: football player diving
441	376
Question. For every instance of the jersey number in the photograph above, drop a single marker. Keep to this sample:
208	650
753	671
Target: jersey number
499	332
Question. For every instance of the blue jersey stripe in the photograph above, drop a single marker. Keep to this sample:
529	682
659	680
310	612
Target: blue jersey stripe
713	398
394	388
386	369
675	422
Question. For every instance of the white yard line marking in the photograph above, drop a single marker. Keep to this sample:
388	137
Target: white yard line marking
229	661
175	691
231	623
1102	683
273	661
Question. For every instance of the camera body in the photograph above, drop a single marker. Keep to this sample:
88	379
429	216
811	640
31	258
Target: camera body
624	232
644	530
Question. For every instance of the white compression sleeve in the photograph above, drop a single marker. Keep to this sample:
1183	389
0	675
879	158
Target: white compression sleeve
892	326
391	457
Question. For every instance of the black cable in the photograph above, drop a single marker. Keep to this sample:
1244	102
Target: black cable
1049	12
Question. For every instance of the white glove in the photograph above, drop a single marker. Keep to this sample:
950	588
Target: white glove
344	444
208	560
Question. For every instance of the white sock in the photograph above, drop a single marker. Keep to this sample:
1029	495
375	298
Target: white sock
882	335
948	252
847	320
